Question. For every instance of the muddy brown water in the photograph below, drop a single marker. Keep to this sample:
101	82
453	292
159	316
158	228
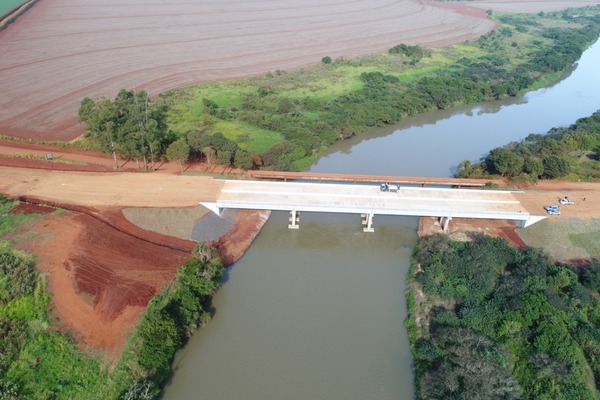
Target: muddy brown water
318	313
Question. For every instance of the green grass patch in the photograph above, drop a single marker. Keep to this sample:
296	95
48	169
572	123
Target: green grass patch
588	240
249	137
7	6
564	239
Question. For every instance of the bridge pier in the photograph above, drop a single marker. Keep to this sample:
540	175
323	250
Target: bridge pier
294	220
444	222
367	222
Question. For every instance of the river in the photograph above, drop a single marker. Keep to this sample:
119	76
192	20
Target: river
318	313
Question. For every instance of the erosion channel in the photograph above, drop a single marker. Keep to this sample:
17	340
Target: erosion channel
318	313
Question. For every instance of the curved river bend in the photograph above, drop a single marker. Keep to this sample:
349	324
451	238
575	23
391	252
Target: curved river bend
318	313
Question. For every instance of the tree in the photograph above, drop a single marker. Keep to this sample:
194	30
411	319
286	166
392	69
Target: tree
210	154
326	60
224	157
243	159
555	167
505	162
130	125
178	151
534	167
100	120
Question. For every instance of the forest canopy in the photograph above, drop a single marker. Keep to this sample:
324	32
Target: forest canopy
496	322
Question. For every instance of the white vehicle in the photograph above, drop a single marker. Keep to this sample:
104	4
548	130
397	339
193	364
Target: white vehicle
385	187
566	200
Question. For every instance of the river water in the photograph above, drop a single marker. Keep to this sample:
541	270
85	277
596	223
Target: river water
318	313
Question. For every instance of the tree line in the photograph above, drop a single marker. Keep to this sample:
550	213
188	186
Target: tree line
134	127
310	124
501	323
562	151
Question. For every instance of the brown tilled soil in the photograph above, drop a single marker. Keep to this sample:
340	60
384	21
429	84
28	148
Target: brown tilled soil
61	51
527	6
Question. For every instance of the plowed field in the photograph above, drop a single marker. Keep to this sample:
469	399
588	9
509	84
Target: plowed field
63	50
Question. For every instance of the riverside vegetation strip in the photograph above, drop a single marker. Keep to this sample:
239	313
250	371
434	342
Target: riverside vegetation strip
283	120
487	320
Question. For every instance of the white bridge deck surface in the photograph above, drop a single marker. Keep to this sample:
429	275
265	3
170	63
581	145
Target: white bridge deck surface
368	199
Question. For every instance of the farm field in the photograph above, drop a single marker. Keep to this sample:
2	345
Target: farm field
61	51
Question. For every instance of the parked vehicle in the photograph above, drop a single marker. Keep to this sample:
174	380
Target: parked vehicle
385	187
566	200
552	210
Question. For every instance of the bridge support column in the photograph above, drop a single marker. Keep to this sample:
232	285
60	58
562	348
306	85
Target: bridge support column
367	222
444	221
294	220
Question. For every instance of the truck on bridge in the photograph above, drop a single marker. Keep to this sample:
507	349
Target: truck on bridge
389	187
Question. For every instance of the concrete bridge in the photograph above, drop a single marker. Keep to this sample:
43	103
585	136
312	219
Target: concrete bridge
368	200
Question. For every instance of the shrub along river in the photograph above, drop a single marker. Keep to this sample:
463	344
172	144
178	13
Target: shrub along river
318	313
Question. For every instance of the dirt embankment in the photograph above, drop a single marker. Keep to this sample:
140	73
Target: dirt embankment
103	269
586	210
101	279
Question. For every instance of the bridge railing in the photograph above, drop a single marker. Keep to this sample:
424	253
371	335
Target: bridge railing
358	178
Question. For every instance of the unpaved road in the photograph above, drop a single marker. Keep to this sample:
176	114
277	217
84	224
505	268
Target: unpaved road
120	189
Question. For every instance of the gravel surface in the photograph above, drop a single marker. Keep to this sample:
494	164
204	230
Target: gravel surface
211	226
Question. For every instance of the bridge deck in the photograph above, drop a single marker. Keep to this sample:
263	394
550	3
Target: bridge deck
368	199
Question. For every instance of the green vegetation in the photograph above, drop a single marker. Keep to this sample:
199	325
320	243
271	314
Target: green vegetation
37	362
570	153
487	320
8	5
284	119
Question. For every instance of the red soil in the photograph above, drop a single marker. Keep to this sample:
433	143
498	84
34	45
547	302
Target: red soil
103	269
61	51
101	279
25	208
460	227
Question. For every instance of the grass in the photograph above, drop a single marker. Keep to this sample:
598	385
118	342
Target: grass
564	239
7	6
249	137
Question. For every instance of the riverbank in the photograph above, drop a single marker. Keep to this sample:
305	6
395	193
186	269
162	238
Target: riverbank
580	219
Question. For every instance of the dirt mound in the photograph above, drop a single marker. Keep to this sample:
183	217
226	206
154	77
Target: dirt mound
237	240
31	209
460	228
101	278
